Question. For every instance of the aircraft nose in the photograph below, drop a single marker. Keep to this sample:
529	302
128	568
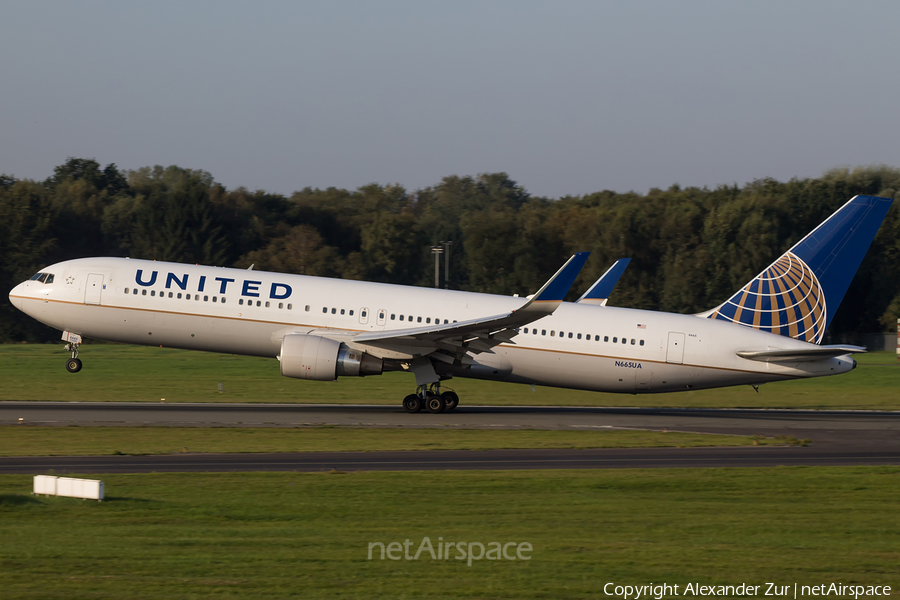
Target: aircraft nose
14	296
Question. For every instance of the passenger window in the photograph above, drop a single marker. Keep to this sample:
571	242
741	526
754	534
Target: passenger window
526	330
170	295
393	317
240	302
196	297
143	292
552	332
134	291
342	311
258	303
324	310
351	312
632	341
152	292
214	298
267	304
307	308
410	318
579	336
534	331
624	341
615	340
179	295
333	311
223	299
290	306
281	305
605	338
363	313
427	320
206	298
126	290
570	335
543	332
642	342
401	317
418	319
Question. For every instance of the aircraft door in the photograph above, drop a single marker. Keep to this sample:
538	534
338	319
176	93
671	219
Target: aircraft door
363	315
382	315
93	289
675	351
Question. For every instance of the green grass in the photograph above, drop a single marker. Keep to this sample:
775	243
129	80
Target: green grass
286	535
135	373
16	440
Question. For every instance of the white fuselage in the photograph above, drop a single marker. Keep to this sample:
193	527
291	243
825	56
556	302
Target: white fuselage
237	311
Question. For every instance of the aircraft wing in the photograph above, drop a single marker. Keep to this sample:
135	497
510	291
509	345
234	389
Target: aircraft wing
599	292
452	341
800	354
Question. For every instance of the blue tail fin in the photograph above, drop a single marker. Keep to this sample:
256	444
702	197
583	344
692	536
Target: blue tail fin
798	294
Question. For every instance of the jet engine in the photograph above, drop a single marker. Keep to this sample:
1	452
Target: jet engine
322	359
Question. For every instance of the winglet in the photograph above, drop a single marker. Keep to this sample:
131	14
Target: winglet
599	293
558	286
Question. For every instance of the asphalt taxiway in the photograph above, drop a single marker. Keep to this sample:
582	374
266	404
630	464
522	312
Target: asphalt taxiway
307	462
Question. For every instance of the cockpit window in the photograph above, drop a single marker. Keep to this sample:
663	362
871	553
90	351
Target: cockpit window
42	277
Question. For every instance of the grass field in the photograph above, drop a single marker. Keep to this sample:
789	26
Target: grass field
18	440
135	373
281	535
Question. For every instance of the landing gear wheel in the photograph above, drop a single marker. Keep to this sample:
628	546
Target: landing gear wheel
73	365
434	403
451	400
412	403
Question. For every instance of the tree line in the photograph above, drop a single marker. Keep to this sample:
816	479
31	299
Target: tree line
691	248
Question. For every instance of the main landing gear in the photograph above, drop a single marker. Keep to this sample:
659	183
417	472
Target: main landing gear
73	365
431	399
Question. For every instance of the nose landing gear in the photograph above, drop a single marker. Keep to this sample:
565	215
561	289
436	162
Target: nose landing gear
73	365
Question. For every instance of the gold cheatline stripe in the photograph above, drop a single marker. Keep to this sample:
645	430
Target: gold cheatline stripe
510	346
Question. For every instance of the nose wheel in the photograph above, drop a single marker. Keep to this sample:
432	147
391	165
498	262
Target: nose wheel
430	398
73	365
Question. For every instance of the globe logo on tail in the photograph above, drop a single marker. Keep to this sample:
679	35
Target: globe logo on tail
786	299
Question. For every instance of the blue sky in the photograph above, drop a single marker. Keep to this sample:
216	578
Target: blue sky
566	97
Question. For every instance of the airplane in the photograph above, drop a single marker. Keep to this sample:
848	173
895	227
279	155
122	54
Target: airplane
598	294
321	329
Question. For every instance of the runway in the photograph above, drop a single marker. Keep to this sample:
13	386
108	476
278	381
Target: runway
872	429
837	437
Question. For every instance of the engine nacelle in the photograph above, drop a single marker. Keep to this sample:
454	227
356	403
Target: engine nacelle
322	359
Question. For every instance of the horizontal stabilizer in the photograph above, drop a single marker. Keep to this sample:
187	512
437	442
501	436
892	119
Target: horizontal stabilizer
800	354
